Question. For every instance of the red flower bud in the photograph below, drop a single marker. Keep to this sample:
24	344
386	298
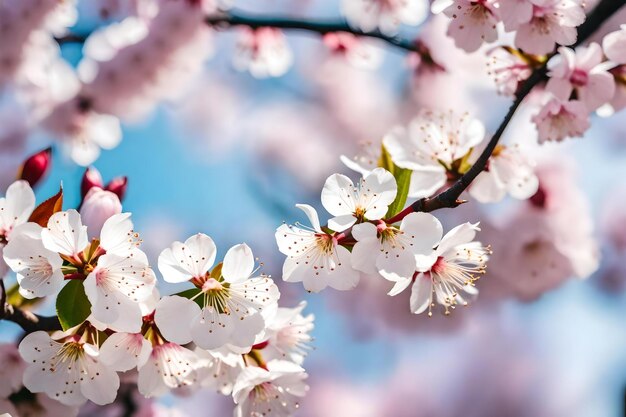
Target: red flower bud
91	178
36	167
539	199
261	345
118	186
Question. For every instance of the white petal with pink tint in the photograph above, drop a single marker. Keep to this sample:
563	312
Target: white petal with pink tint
65	233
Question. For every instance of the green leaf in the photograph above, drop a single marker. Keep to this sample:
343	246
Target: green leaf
385	160
192	293
73	307
403	179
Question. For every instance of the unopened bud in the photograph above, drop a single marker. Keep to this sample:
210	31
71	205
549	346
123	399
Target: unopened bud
118	186
36	167
97	207
91	178
539	198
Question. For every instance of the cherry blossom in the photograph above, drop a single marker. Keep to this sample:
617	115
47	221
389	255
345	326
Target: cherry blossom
515	13
534	256
83	132
367	201
125	351
358	52
390	250
473	22
365	161
68	371
552	22
433	144
12	370
276	390
162	65
440	276
509	171
29	26
384	15
581	72
219	370
38	269
314	257
117	285
614	46
233	303
289	335
263	52
558	120
508	67
98	206
168	366
15	209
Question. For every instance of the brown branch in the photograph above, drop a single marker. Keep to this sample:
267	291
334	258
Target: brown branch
28	321
320	27
450	197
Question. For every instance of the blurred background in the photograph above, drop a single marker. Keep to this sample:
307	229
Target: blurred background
232	154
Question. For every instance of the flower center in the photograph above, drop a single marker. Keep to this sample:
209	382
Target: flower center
359	213
579	78
325	243
212	285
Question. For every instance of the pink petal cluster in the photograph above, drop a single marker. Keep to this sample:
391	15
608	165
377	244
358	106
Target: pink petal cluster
553	237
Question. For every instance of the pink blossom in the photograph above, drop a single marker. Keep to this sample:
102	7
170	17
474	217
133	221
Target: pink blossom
515	13
26	26
263	52
546	240
164	54
384	15
614	45
82	131
552	22
473	22
508	69
558	120
98	206
581	71
357	51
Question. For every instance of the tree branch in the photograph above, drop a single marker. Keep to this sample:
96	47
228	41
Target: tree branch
321	27
28	321
450	197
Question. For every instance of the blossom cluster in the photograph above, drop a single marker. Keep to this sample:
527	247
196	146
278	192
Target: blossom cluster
224	330
368	235
581	79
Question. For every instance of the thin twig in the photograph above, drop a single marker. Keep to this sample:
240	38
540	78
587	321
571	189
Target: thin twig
30	322
450	197
316	26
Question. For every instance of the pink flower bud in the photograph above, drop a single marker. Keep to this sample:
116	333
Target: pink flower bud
91	178
97	207
36	167
118	186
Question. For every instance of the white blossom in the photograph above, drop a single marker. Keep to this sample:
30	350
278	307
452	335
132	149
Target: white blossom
430	145
314	257
451	268
349	203
275	391
233	302
508	171
68	371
